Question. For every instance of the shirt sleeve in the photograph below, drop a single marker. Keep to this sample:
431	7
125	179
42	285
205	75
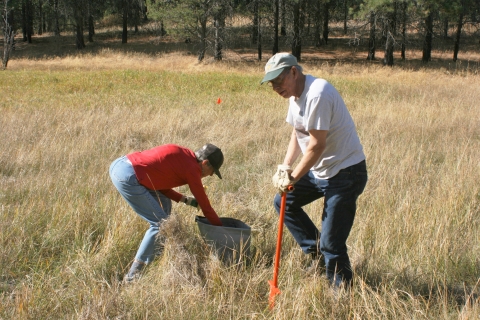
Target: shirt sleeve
319	110
196	187
172	194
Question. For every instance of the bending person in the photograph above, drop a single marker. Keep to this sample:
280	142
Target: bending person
146	180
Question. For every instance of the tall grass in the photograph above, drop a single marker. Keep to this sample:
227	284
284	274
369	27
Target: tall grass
67	237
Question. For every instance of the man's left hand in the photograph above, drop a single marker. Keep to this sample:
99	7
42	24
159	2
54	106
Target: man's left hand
191	201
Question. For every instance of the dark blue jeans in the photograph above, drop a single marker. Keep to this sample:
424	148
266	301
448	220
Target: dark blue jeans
340	195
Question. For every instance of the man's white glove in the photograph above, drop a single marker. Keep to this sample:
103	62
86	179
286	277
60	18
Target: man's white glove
281	179
191	201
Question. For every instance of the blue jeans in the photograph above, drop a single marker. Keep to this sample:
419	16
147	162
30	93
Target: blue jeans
340	203
150	205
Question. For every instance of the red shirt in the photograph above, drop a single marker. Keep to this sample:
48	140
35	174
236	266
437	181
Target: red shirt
169	166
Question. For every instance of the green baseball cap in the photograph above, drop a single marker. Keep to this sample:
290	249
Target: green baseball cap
277	63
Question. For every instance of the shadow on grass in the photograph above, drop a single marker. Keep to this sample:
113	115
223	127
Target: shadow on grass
411	286
338	50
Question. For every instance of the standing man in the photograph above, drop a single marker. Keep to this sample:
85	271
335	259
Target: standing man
332	166
145	180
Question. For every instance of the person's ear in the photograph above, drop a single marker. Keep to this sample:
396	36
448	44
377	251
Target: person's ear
294	71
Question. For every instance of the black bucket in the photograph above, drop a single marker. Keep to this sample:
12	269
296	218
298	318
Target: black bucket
230	241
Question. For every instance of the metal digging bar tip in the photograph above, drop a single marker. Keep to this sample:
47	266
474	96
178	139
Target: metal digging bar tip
274	283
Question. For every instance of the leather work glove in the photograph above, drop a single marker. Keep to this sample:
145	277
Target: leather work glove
191	201
281	179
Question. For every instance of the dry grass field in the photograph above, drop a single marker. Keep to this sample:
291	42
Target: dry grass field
67	237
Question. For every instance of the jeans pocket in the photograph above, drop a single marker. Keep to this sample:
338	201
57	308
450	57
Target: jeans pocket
121	171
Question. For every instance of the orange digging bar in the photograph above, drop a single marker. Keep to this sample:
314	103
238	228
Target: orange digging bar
273	283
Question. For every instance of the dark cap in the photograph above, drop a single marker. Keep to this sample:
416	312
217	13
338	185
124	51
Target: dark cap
214	156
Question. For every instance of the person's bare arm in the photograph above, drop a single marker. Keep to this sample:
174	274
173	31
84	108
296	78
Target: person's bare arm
314	151
293	150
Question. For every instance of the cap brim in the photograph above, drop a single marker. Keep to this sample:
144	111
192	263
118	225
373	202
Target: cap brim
217	173
272	75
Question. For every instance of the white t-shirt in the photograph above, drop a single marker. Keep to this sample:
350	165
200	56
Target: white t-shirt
320	107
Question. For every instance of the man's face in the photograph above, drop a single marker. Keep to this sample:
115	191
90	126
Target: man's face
284	84
207	169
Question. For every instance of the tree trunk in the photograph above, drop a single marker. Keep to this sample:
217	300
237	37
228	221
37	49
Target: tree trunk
458	35
283	29
255	27
125	22
24	21
163	32
307	20
275	27
91	25
144	11
56	25
136	16
78	15
389	26
318	24
80	42
326	17
259	42
203	40
40	17
27	20
388	60
394	18
219	23
345	16
427	44
445	28
91	28
371	39
8	35
297	40
30	12
404	28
